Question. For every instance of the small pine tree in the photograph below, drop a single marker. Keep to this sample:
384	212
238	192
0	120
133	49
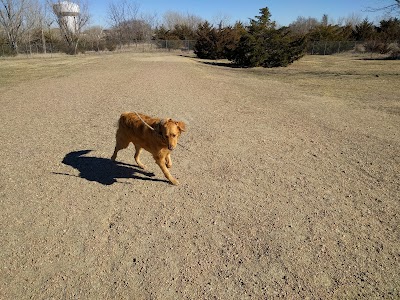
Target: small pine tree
365	31
282	49
231	37
206	46
389	30
161	33
216	43
264	45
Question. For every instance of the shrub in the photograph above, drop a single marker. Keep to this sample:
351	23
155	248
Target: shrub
264	45
377	47
206	46
213	43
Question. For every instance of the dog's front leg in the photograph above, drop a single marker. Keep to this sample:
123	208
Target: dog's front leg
168	161
160	161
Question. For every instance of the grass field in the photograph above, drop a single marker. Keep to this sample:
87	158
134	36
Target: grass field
347	76
20	69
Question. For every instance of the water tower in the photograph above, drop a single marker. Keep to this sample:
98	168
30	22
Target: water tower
67	13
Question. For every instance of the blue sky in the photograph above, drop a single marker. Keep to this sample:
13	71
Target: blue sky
283	11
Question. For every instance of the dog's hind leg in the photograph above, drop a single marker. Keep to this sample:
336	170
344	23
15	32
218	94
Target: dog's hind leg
137	153
119	145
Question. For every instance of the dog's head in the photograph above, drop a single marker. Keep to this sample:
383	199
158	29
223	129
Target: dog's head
170	131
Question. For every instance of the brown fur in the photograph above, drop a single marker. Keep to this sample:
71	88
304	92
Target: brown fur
159	142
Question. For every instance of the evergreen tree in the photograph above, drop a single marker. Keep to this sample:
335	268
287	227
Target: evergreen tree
327	33
161	33
364	31
231	37
216	43
184	32
206	43
389	30
264	45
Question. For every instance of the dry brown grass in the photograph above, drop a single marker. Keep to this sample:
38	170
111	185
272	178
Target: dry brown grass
343	76
20	69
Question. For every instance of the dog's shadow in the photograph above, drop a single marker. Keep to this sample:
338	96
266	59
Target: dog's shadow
103	170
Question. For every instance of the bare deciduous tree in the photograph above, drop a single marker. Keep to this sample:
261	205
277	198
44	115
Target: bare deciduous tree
173	18
151	22
46	21
352	20
390	6
72	37
95	35
303	25
11	19
33	21
120	18
221	20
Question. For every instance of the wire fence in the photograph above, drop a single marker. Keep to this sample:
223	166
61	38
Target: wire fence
141	46
313	48
329	48
368	47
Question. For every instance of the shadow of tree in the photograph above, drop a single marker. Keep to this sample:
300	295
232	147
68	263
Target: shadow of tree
381	58
103	170
223	64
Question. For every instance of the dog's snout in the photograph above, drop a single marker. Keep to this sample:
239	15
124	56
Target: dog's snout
170	147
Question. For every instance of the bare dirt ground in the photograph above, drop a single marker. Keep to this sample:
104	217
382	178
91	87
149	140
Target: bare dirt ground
289	180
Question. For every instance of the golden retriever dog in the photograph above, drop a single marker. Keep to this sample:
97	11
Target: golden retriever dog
157	136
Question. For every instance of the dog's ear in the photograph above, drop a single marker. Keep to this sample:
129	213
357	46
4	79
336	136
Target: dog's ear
164	121
181	126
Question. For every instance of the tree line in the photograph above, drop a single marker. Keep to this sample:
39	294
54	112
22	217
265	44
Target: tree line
262	43
259	42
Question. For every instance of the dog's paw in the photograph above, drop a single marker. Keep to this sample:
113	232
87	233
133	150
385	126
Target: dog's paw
168	164
142	166
174	181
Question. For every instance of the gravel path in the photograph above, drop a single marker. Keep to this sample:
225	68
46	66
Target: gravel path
283	193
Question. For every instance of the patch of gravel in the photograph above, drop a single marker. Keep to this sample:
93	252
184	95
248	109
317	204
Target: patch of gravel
284	194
